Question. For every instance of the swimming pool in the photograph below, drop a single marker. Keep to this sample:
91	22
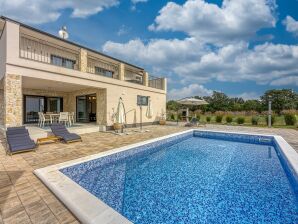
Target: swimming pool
190	177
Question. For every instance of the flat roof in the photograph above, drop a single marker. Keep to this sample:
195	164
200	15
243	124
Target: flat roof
67	41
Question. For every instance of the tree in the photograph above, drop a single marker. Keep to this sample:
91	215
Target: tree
281	99
255	105
218	101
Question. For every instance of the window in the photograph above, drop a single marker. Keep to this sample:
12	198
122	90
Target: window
63	62
104	72
142	100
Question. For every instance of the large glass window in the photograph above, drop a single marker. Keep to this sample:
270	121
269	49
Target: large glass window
104	72
54	104
63	62
33	105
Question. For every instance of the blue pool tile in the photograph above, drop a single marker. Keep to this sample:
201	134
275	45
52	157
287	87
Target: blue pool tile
197	177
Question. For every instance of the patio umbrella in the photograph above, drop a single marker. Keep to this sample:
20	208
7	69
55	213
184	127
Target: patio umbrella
190	101
149	112
120	114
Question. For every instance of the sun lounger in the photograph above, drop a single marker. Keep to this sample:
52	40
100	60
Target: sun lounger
18	140
61	131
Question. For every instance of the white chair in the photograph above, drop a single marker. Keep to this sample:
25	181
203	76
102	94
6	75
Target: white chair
64	118
71	118
42	119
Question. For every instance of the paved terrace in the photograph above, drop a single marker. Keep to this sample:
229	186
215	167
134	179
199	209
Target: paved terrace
24	199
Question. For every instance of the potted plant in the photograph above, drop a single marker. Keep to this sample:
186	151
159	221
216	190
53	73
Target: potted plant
162	119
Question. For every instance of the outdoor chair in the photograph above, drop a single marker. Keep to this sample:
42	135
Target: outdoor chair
18	140
59	130
42	119
71	118
64	118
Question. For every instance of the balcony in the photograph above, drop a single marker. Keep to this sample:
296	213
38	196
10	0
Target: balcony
67	55
100	67
155	82
42	51
133	76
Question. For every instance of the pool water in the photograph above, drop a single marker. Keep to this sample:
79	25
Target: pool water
197	180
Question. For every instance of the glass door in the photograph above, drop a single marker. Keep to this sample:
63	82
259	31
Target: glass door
82	109
33	105
86	108
54	104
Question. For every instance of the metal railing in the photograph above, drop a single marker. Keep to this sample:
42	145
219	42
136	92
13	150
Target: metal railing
155	82
42	51
103	68
133	76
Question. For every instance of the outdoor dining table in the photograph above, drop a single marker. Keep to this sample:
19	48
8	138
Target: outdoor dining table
53	117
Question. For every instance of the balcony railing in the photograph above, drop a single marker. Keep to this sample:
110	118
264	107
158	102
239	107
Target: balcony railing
101	67
43	51
133	76
155	82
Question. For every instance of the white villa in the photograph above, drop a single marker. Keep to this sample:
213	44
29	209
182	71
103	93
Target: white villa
40	72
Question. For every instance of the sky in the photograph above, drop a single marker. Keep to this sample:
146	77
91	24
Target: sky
239	47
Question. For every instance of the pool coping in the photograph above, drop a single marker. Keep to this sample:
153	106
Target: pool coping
93	210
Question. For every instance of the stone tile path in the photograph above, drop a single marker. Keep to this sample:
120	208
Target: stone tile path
24	199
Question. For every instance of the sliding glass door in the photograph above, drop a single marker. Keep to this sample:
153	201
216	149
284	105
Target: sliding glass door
33	105
54	104
86	108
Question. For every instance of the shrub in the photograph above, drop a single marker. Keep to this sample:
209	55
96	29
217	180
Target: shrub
172	117
218	118
240	120
198	117
255	120
229	119
272	119
208	118
179	117
290	119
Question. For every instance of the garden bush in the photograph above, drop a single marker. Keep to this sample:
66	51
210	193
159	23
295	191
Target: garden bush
172	117
240	120
198	117
229	119
255	120
208	119
290	119
218	118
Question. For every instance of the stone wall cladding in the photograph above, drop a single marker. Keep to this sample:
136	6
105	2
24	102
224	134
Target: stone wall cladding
1	107
13	100
83	60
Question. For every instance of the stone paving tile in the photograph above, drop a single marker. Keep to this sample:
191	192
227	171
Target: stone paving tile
24	199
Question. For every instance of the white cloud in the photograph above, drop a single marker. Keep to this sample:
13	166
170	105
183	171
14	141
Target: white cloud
37	12
123	30
290	80
291	25
234	20
191	90
193	61
135	2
